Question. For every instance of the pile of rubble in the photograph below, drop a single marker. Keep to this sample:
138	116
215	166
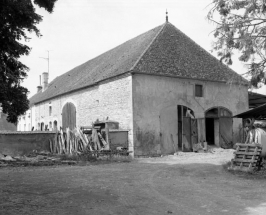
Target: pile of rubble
33	159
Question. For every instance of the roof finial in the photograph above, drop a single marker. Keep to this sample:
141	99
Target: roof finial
166	16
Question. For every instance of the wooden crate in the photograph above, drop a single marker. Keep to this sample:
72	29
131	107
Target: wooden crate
247	157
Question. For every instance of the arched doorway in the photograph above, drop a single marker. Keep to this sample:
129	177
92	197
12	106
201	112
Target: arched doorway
42	126
55	126
219	127
69	116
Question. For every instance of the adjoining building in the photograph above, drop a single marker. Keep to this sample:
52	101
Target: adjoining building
164	88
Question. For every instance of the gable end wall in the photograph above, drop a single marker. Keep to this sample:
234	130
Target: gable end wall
155	101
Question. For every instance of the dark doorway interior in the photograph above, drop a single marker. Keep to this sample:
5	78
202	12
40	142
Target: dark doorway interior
210	131
180	118
42	126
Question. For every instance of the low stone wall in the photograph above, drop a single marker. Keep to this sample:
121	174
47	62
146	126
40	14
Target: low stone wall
21	143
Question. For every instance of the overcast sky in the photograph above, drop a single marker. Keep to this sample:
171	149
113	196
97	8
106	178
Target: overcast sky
80	30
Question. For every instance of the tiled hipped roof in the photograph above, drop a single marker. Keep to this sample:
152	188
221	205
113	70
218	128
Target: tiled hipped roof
164	50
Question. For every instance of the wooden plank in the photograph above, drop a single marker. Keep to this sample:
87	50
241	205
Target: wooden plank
244	169
233	164
226	132
249	144
246	153
241	148
245	160
194	131
186	143
249	149
238	163
246	157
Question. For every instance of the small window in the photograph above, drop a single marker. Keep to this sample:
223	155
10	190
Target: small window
50	110
198	90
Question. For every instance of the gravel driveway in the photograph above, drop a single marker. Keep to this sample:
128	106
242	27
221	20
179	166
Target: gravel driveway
188	183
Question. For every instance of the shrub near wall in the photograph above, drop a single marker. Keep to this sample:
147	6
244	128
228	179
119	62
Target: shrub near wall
22	143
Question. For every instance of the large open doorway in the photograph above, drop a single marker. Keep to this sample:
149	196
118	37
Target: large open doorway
219	127
210	131
178	129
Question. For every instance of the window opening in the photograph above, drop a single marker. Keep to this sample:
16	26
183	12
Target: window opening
50	110
198	90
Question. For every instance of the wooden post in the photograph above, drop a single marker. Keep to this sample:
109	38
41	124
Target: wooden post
107	135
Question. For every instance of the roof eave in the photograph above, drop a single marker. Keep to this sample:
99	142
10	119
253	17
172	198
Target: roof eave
182	77
80	88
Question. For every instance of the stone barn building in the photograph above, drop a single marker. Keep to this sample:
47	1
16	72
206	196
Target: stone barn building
161	86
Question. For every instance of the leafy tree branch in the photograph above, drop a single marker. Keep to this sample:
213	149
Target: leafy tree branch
241	26
17	17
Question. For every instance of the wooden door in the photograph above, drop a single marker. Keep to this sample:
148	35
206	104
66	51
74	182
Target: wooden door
69	116
194	131
226	132
186	140
168	130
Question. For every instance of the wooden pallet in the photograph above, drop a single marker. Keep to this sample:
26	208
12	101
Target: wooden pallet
247	157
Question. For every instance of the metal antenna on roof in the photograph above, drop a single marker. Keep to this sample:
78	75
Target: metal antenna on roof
166	16
48	59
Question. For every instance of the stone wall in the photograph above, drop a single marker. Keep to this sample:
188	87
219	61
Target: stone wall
111	98
22	143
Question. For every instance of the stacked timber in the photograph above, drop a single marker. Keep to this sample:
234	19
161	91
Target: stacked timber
76	142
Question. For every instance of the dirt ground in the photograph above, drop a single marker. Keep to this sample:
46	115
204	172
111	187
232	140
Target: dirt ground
187	183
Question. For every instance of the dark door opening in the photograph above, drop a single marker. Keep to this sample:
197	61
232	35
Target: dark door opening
180	129
210	131
42	126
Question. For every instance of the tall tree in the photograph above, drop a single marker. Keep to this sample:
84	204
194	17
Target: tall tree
241	26
17	19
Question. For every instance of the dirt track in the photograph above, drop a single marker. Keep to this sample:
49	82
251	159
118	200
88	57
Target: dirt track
183	184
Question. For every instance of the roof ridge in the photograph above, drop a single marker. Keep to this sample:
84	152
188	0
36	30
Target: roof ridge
146	49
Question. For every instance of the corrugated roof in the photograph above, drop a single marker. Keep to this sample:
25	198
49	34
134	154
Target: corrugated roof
256	99
257	113
164	50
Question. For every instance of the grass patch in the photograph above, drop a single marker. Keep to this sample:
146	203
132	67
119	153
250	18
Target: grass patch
256	174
